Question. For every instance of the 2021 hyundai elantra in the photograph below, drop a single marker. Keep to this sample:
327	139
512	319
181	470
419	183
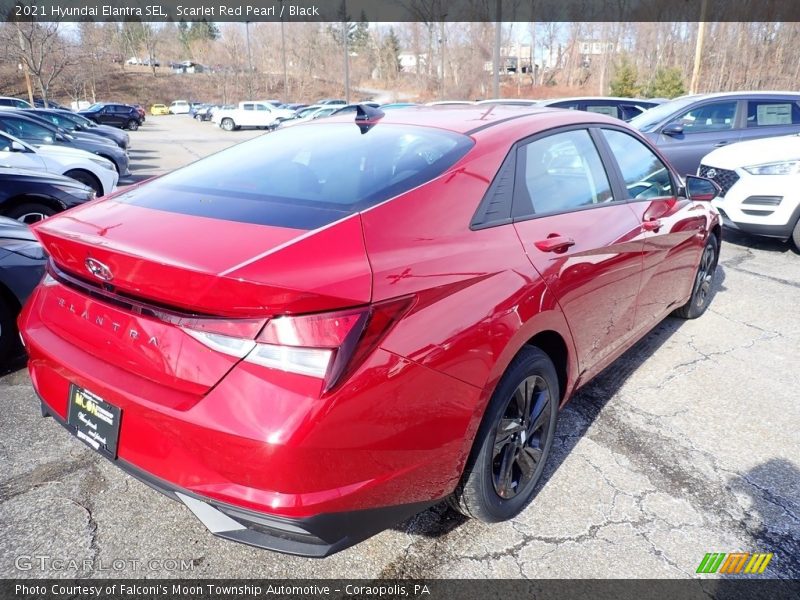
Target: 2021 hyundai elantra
317	333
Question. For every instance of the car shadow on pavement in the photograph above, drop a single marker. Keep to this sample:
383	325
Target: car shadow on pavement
757	242
772	522
14	364
574	420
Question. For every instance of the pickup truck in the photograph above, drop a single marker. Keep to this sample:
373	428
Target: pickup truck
253	113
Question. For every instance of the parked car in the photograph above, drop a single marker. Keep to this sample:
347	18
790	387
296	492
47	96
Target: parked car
142	112
179	107
91	170
688	128
510	102
159	109
121	138
352	108
22	261
331	101
316	113
450	103
393	105
760	182
296	105
30	196
71	125
36	130
254	113
14	102
40	103
317	306
620	108
123	116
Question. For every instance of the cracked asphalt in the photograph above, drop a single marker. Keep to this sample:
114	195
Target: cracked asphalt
688	444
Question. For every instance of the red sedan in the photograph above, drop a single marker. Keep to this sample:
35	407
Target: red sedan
317	333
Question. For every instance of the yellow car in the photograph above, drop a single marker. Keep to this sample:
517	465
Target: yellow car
159	109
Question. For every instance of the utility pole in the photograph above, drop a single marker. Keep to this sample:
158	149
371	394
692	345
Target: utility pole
283	51
498	27
698	50
346	61
249	61
24	66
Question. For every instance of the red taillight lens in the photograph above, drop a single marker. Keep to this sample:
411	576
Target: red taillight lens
326	330
326	345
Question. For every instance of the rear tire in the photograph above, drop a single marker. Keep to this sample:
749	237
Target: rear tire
30	212
133	125
228	124
513	442
86	178
703	282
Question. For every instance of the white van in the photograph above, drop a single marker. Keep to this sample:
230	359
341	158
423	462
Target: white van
179	107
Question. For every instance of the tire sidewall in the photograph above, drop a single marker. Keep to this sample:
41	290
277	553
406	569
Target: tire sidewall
695	310
530	361
133	125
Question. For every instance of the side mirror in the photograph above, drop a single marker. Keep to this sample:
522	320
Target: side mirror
673	129
701	189
17	147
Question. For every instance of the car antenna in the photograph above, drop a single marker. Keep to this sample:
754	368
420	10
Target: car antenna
366	115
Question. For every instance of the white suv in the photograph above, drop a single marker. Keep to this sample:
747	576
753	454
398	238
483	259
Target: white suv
760	182
180	107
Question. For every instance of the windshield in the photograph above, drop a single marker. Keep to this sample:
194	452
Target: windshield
649	120
307	176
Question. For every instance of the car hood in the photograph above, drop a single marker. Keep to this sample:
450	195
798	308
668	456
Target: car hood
65	151
14	230
755	152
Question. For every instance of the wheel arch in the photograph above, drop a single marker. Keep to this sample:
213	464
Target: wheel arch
21	199
555	346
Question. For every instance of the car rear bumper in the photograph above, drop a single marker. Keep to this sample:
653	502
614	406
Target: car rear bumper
314	537
267	450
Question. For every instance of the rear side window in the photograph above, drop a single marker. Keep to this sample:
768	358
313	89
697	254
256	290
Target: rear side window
561	172
307	176
767	113
603	109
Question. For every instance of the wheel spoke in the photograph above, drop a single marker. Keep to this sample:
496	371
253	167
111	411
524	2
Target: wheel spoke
527	465
506	471
541	412
505	432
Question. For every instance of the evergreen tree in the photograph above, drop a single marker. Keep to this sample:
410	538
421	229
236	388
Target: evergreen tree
668	83
625	83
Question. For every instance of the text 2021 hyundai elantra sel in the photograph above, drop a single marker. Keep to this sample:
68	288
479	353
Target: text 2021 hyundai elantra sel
315	334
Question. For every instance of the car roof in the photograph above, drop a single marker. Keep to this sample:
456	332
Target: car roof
614	98
742	94
491	119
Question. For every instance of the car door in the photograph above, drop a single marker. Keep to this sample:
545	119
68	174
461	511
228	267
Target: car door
771	117
672	227
582	238
696	132
20	158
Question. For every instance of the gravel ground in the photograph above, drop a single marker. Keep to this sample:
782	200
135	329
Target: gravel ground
687	444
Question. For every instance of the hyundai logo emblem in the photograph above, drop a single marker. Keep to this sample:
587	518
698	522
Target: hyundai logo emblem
98	269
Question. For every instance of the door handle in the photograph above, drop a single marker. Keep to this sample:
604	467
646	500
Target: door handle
555	243
651	224
721	144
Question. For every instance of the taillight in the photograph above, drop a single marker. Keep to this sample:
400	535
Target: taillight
327	346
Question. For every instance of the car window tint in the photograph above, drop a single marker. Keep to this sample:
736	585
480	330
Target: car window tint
603	109
766	113
563	172
644	174
306	177
567	104
717	116
248	107
5	144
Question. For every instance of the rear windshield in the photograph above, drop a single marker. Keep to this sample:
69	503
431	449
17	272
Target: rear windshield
307	176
